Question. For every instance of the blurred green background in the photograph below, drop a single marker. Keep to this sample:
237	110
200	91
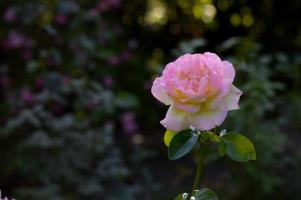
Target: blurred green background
77	117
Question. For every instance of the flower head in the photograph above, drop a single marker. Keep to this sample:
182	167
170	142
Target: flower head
199	90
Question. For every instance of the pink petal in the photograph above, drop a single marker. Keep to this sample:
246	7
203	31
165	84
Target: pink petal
208	119
175	119
160	93
213	103
229	72
212	61
232	98
191	108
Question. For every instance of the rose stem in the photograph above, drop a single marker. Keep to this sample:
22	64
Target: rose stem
200	168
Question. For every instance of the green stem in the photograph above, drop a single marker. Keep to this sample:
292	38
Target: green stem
200	169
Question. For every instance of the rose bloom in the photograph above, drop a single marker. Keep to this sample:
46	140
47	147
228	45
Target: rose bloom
199	91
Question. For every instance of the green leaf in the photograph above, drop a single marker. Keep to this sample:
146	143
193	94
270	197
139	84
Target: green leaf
221	148
168	136
239	147
205	194
181	144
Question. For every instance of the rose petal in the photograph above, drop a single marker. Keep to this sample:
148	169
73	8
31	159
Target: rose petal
160	93
213	103
175	119
232	98
208	119
199	89
229	72
191	108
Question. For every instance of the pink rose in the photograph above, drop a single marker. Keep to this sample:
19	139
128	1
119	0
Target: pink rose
199	90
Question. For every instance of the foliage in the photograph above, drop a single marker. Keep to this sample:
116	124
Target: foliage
77	120
269	82
205	194
237	147
181	144
59	110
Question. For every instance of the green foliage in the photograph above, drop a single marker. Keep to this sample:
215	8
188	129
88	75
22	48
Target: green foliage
267	115
221	148
237	147
168	135
181	144
66	117
205	194
77	118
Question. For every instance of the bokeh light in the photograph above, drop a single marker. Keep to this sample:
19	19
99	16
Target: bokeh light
156	13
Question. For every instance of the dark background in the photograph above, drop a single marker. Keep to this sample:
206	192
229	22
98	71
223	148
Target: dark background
77	118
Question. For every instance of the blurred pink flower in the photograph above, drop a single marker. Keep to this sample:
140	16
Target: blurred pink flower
116	3
199	90
40	82
129	124
17	40
106	5
61	19
10	15
103	6
108	81
27	96
94	12
114	61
